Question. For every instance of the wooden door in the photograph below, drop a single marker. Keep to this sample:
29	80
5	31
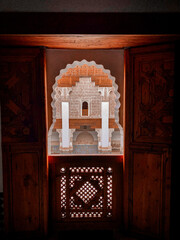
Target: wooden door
148	137
24	140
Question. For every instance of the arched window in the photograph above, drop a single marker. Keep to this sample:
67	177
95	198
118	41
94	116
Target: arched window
84	108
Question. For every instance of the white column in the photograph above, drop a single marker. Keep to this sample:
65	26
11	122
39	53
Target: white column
65	124
105	124
71	131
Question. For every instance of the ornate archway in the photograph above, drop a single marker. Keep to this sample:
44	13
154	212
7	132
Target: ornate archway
85	82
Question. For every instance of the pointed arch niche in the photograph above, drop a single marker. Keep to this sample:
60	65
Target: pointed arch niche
85	111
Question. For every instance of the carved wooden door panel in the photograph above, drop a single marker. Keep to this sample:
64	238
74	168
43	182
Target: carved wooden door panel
86	192
23	139
148	138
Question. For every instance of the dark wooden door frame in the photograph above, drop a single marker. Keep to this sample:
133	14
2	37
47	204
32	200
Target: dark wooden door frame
65	22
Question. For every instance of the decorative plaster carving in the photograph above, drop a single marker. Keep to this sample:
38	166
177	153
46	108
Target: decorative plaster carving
105	92
76	90
99	67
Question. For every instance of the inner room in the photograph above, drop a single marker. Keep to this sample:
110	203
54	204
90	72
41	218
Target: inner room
86	82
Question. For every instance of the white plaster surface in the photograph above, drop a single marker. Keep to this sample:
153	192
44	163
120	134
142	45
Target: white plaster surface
65	124
105	124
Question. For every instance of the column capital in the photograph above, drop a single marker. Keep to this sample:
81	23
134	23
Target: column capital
62	93
105	91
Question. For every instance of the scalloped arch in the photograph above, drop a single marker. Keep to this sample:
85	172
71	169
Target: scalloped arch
99	66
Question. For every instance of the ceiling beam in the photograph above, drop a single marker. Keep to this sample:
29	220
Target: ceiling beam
84	41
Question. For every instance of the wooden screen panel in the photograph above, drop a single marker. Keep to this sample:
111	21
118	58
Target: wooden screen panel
86	192
148	138
25	191
149	182
20	98
153	96
147	192
24	140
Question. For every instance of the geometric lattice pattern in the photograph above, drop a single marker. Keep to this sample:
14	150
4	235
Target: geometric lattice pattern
109	194
86	215
63	196
86	193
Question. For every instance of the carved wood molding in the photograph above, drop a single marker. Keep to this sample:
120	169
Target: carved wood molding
85	41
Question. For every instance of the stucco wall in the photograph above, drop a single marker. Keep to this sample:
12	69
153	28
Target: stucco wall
85	90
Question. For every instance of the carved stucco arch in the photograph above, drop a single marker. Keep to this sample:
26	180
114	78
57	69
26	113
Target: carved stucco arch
99	66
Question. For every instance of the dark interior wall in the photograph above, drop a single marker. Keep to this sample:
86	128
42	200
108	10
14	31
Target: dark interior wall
57	59
90	6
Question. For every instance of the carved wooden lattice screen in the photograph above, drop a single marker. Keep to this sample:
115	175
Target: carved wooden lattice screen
87	192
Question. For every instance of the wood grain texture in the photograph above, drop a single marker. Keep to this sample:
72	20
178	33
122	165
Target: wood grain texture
153	96
24	140
77	123
85	41
147	192
147	161
19	103
25	192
